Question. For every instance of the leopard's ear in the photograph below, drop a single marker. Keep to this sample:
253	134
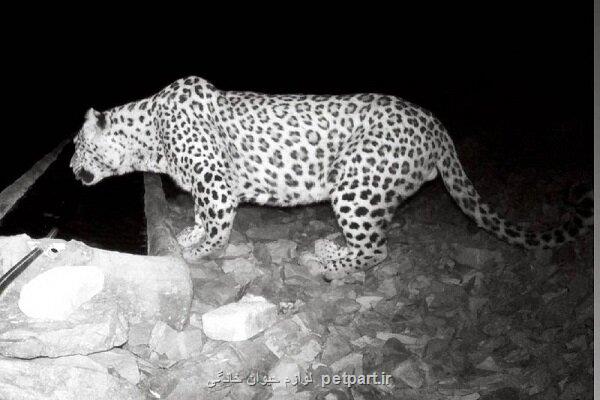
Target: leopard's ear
95	120
95	123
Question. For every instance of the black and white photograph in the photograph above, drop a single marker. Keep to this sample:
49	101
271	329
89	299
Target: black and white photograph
397	205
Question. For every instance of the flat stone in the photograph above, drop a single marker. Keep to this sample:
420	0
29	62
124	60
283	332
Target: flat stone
241	320
64	378
56	293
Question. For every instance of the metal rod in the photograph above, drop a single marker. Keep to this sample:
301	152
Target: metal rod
23	263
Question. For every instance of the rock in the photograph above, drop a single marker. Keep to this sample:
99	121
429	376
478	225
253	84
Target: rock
351	364
137	289
365	341
316	225
139	335
489	364
297	274
216	291
347	306
404	339
97	325
65	378
238	250
286	371
368	302
269	232
336	347
311	262
205	270
288	339
241	320
12	249
408	372
175	345
146	288
282	249
198	378
388	288
121	361
475	257
56	293
243	270
394	348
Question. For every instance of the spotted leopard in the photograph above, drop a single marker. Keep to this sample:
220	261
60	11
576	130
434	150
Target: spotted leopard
365	153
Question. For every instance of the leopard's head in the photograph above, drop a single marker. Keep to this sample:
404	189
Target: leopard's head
99	150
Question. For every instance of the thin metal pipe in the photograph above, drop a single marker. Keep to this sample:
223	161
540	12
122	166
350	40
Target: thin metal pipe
23	263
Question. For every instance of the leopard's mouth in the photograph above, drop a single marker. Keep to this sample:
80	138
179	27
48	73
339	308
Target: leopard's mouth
85	176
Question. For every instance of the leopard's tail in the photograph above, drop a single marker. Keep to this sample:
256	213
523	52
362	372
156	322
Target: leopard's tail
467	198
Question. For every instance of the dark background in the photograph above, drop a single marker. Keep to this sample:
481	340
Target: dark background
522	71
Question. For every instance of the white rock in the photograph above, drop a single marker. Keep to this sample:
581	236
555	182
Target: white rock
173	344
241	320
56	293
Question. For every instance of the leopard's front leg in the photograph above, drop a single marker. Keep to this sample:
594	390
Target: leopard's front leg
214	211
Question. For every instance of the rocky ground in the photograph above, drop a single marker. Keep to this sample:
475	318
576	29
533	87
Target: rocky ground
453	313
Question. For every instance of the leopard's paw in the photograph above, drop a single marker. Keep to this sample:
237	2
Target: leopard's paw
190	236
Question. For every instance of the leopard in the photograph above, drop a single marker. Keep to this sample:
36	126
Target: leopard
365	153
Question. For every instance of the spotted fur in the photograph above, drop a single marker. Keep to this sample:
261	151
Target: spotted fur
363	152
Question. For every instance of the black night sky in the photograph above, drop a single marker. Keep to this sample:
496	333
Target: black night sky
516	70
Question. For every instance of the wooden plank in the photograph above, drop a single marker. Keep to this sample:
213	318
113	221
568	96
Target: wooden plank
11	194
160	240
